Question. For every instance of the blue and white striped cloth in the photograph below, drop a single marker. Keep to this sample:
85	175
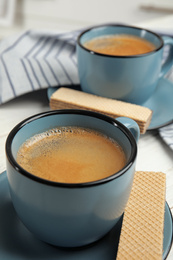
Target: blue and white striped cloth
34	60
166	133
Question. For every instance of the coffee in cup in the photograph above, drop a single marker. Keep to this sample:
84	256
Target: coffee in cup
71	155
132	78
120	45
71	214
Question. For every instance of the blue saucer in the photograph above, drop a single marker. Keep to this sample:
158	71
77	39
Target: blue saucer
161	103
17	243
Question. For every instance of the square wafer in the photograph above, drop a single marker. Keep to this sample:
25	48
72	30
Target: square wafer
143	223
65	98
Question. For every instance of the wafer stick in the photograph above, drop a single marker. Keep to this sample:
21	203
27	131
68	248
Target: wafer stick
65	98
143	223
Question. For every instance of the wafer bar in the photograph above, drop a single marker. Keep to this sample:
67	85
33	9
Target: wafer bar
66	98
143	223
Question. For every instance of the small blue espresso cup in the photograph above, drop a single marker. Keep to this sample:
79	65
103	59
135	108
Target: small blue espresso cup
128	78
64	214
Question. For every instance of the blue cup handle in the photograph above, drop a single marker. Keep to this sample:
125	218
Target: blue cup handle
169	60
131	125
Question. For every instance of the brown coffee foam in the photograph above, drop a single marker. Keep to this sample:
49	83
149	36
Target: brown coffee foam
122	44
143	223
65	98
68	149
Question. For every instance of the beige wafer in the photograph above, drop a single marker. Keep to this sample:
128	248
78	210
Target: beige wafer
65	98
143	223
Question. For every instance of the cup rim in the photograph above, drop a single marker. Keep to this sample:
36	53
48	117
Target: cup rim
119	56
103	117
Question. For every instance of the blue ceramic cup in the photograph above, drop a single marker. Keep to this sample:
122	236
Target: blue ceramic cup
71	215
128	78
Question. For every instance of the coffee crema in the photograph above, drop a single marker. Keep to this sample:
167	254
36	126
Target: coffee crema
71	155
120	44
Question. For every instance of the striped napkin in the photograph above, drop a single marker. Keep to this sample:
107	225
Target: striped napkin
166	133
35	60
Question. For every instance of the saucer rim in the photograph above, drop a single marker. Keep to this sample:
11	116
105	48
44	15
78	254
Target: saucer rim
171	242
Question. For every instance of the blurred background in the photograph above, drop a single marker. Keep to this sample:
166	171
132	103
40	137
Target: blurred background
20	15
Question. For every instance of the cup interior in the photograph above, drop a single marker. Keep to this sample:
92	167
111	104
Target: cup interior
45	121
105	30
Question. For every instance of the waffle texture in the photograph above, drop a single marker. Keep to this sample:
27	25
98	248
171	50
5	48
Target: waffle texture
65	98
143	223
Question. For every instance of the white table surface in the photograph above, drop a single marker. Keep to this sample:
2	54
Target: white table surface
153	153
